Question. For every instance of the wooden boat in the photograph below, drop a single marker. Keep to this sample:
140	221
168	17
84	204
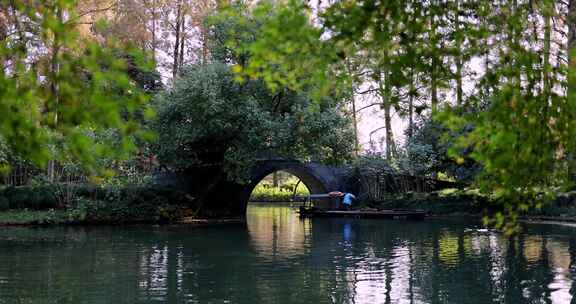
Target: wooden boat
368	213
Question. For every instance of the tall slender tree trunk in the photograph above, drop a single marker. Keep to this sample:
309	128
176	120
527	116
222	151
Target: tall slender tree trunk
459	91
177	29
387	107
459	61
275	182
390	146
411	105
182	42
546	70
433	68
516	46
55	89
355	121
571	91
434	89
354	114
204	43
154	17
547	15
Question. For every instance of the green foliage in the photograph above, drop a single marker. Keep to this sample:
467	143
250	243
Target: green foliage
209	118
374	164
518	126
130	204
29	197
51	108
286	41
230	32
29	217
426	152
90	204
417	159
437	203
264	192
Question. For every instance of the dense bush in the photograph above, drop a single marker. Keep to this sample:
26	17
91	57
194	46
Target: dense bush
101	204
28	197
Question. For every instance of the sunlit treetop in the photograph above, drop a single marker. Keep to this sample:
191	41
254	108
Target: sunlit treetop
59	89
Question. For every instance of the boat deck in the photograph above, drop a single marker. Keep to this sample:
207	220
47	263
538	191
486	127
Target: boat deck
384	214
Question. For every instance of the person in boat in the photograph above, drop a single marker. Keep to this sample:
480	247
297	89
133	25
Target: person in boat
347	200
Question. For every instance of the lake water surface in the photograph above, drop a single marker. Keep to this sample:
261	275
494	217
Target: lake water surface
278	258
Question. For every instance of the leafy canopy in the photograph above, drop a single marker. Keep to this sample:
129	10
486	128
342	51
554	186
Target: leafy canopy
208	118
523	123
58	89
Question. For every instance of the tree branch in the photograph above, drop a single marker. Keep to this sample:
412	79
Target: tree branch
368	106
89	12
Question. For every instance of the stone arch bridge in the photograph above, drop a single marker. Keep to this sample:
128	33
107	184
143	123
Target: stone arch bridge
216	196
220	197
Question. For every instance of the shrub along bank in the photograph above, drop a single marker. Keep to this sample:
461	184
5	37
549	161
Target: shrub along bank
57	204
453	202
83	204
267	193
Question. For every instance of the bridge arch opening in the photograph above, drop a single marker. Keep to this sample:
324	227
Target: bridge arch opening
317	178
291	181
221	197
279	186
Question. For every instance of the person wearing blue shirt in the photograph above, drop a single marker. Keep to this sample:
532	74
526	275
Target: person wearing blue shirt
347	200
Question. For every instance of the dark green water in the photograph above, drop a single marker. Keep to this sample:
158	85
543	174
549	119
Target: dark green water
278	258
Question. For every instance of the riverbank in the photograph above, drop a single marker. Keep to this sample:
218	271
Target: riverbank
459	203
83	204
90	205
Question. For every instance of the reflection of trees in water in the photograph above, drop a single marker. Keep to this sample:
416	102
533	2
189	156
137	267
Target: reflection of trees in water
481	266
559	256
275	231
338	261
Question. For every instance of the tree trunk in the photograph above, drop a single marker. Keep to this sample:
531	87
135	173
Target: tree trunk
434	67
154	42
411	105
354	116
571	92
275	182
459	61
177	29
390	146
547	15
515	46
355	121
387	105
182	42
204	44
54	89
459	92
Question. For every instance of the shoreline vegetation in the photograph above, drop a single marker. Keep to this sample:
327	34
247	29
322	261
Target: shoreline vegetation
84	204
47	205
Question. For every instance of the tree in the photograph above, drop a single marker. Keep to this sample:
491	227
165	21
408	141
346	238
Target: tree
208	118
57	88
523	121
